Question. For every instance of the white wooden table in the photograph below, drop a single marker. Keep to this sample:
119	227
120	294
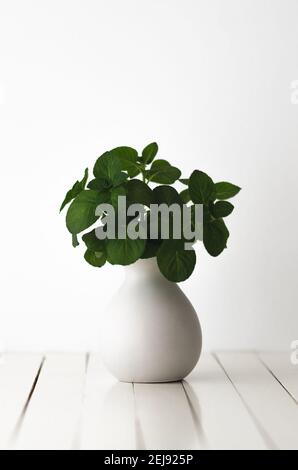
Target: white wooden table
232	400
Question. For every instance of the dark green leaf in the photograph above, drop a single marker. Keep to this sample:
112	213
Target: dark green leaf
138	192
95	258
201	188
125	251
81	212
75	190
115	193
215	236
167	195
174	262
99	184
184	181
163	173
185	196
151	249
159	164
122	177
128	159
149	153
221	209
92	242
226	190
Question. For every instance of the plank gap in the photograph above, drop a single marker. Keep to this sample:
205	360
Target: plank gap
276	378
19	423
190	398
267	439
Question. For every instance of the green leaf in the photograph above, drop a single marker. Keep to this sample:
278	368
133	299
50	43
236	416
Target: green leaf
185	196
75	241
122	177
215	236
115	193
174	262
221	209
138	192
108	167
128	159
163	173
99	184
226	190
124	251
201	188
184	181
92	242
149	153
75	190
167	195
95	258
151	249
81	212
160	164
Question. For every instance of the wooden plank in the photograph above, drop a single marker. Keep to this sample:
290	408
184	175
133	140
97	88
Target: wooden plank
53	415
17	376
164	417
280	365
108	420
274	410
222	420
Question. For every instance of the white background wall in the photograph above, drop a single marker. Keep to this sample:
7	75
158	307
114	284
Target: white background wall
209	80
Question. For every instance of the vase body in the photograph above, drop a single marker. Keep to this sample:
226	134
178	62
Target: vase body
151	332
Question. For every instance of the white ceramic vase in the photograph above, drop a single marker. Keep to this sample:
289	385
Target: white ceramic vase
150	332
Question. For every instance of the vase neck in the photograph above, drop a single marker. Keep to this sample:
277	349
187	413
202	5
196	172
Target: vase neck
143	268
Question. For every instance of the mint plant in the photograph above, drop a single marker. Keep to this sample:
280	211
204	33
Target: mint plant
145	179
